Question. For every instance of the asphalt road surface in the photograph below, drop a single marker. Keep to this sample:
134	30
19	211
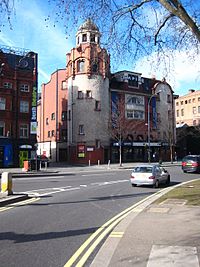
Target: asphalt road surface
64	212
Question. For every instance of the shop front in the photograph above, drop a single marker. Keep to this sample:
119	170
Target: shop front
6	153
135	152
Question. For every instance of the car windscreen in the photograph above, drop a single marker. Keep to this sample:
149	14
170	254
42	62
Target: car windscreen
143	169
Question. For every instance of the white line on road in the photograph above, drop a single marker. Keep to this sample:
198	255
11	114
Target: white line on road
47	192
39	178
110	182
97	174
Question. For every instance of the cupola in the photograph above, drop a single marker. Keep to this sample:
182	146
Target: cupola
88	32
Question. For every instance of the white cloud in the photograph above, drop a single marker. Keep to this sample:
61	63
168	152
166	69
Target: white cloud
180	71
5	40
31	31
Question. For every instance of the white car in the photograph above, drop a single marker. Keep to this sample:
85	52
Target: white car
149	174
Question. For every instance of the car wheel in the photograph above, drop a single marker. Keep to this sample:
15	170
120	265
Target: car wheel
134	185
184	171
168	180
156	185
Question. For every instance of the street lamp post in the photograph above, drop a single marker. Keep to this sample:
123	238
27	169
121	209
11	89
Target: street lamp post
148	123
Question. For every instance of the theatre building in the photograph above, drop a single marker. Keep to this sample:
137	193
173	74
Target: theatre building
88	100
148	117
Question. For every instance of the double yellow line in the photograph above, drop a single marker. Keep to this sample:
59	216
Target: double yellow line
100	234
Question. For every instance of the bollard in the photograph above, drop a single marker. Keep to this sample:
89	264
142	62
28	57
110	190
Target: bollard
89	162
109	164
6	183
98	162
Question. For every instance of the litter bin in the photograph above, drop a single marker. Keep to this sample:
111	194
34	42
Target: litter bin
34	165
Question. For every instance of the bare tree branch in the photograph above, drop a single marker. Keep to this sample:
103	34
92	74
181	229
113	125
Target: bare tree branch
161	26
175	7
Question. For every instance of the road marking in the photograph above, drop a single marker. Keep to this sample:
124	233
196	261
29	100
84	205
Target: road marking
116	234
167	256
21	203
110	182
158	210
97	174
99	235
54	191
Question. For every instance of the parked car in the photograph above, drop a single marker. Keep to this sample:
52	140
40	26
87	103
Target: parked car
191	163
149	174
44	160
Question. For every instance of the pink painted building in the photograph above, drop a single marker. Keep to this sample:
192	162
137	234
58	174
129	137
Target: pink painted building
52	118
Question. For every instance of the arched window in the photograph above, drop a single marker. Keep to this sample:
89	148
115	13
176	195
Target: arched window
95	67
81	65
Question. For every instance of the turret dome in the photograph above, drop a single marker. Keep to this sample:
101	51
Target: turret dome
88	25
88	32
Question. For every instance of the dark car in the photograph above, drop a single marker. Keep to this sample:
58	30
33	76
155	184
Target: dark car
191	163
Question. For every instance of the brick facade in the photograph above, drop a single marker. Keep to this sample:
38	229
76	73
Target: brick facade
18	97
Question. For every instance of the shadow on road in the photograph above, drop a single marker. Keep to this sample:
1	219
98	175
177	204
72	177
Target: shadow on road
22	238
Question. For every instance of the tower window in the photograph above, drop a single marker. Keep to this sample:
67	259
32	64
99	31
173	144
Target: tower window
92	38
81	65
97	105
52	116
84	37
81	129
80	95
95	67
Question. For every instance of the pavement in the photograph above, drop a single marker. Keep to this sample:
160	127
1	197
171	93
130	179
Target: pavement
147	235
154	235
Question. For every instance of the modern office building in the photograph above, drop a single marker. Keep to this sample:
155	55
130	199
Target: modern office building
18	105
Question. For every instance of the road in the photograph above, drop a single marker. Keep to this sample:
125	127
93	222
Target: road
66	211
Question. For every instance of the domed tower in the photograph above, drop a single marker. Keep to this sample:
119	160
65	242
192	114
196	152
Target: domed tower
88	70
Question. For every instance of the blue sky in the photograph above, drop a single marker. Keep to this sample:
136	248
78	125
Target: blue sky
31	31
